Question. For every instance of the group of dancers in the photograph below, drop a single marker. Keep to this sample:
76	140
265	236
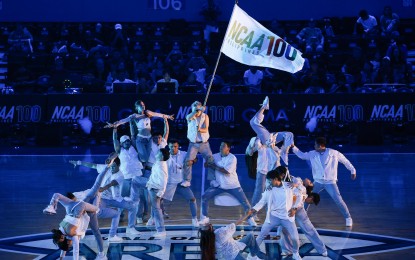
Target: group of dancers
142	172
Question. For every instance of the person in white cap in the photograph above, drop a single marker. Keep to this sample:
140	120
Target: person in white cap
130	167
324	163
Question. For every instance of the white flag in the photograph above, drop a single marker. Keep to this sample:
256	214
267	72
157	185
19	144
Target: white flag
250	43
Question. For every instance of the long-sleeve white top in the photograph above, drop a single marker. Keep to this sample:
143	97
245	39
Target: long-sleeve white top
227	248
324	166
279	201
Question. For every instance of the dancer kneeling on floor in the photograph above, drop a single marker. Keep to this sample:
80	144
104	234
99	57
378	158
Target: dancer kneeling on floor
221	241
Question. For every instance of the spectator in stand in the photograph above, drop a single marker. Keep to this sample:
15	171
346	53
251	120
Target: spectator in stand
315	78
166	78
98	51
98	68
366	25
312	37
354	64
174	63
198	66
210	11
121	77
398	54
20	40
58	75
192	82
64	33
99	34
389	22
76	48
119	40
328	30
158	70
340	86
116	61
253	78
44	34
144	84
385	73
367	74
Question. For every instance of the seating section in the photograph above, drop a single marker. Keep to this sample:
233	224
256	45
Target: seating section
51	57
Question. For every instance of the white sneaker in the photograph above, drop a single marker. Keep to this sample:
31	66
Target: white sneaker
252	222
296	256
115	239
185	183
49	210
325	253
195	223
101	256
131	231
204	220
265	104
214	184
150	222
160	234
139	220
349	222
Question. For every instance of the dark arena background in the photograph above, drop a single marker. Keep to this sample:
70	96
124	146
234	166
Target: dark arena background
67	68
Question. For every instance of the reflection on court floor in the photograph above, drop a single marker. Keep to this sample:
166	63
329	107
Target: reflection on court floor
182	242
380	200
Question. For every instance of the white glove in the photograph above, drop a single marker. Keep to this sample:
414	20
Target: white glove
160	194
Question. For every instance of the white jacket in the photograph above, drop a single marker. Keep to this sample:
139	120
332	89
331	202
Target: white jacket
327	172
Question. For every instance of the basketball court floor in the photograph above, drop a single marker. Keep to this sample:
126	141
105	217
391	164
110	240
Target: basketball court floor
381	201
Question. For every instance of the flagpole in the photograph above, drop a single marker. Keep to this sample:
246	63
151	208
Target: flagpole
217	61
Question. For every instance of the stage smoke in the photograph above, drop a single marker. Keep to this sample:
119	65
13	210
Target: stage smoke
85	124
312	124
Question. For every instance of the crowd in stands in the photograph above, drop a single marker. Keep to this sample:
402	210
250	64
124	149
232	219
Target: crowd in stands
342	56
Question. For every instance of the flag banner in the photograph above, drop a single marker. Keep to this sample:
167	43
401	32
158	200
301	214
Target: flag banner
250	43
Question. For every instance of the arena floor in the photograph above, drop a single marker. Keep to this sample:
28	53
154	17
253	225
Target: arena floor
380	201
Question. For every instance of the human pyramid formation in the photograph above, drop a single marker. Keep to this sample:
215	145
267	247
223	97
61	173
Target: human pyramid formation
142	172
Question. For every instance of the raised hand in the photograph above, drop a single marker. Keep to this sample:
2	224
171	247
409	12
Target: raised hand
110	125
75	163
171	117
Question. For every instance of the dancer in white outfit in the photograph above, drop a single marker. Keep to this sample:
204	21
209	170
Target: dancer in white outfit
140	127
198	136
271	139
75	222
221	242
130	167
303	221
175	167
324	163
281	208
227	180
